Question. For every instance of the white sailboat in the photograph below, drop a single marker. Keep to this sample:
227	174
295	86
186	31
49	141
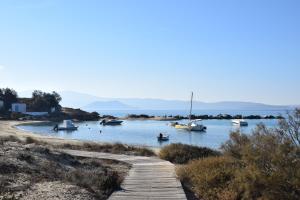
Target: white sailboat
193	125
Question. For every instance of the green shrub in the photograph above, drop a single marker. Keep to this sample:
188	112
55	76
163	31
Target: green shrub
210	178
181	153
264	166
271	165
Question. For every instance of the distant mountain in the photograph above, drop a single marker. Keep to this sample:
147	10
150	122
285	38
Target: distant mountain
90	102
76	99
107	105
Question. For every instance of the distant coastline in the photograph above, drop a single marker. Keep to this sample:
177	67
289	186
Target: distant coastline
203	117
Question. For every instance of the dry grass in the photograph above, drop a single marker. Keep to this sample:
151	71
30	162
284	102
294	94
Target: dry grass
116	148
210	178
181	153
26	163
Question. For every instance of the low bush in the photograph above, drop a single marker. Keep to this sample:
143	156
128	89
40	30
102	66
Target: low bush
210	178
100	182
263	166
10	138
30	140
182	153
116	148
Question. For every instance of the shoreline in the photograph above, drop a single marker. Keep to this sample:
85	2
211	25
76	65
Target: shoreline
9	128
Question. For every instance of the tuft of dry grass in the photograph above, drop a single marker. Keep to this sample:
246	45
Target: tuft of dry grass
182	153
10	138
116	148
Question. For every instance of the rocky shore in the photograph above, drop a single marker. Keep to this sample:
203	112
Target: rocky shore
203	117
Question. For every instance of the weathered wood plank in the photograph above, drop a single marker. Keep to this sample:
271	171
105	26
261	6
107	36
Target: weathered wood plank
150	178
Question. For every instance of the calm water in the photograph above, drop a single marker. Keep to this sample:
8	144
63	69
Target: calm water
140	132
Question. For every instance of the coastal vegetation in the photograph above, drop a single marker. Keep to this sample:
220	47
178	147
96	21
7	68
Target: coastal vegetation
115	148
8	96
41	102
182	153
33	171
75	114
203	117
264	165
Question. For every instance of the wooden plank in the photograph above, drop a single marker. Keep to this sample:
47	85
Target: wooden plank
150	178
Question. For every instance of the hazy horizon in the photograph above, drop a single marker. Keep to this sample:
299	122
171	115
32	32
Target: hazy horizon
221	50
28	93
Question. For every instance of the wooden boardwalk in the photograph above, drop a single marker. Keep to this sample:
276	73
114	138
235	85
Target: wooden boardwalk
149	178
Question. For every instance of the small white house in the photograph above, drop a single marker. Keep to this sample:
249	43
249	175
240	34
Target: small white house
1	104
18	107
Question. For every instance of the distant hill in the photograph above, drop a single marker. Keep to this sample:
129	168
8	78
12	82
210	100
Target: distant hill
107	105
90	102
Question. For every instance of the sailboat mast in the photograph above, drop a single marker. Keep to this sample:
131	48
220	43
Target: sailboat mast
191	107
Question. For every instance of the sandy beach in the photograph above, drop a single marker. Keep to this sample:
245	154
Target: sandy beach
8	128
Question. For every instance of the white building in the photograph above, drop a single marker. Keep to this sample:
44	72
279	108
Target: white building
18	107
1	104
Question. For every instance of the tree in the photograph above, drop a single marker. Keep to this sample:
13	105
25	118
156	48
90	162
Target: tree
289	127
42	101
8	96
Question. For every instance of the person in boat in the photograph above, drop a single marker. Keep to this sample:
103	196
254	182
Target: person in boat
160	136
55	128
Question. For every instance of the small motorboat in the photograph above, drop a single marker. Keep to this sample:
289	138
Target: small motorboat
239	122
111	122
162	137
68	125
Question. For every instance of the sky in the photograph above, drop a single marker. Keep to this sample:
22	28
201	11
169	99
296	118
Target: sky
222	50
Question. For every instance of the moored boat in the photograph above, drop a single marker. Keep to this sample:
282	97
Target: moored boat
162	137
68	125
193	125
112	122
240	122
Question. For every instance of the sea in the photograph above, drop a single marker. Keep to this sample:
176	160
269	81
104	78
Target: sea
144	132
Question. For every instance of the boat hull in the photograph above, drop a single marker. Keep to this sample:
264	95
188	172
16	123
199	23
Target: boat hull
239	123
198	128
181	126
112	123
164	138
67	129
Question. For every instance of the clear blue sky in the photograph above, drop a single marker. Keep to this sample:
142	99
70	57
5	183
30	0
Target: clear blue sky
243	50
